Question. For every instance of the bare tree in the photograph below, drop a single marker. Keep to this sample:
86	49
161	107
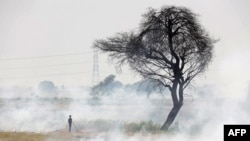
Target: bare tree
170	48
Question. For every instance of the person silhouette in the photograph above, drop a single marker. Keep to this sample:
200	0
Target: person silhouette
70	123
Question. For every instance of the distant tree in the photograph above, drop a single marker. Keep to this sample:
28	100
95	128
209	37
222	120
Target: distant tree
105	87
144	87
170	48
47	86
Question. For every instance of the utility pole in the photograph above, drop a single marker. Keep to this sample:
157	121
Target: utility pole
95	73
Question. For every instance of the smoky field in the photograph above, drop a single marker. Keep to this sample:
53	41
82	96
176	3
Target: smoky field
119	116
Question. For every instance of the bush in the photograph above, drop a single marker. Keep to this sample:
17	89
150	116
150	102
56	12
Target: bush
142	127
106	125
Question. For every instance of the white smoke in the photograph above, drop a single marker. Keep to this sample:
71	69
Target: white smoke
201	118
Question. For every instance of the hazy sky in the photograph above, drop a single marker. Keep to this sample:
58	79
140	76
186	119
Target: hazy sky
66	30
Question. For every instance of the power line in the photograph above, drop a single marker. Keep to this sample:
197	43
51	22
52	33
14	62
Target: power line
43	66
50	75
47	56
53	75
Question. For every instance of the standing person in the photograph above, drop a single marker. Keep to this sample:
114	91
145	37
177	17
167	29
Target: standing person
70	123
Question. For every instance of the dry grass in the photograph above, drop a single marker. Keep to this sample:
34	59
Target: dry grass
26	136
21	136
52	136
86	130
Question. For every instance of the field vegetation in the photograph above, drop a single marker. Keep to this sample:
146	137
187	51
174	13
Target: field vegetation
85	131
22	136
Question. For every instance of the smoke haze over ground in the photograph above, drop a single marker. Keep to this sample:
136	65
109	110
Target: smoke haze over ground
38	38
201	118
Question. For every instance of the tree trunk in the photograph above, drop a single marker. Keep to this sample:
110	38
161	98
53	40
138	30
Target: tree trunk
171	116
177	104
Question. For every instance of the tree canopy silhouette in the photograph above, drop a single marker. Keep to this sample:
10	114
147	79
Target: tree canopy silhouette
170	48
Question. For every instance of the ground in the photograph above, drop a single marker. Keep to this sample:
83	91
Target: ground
53	136
65	136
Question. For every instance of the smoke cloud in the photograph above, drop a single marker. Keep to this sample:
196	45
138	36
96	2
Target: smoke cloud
36	109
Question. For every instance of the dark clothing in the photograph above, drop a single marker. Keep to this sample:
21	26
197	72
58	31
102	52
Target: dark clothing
70	123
